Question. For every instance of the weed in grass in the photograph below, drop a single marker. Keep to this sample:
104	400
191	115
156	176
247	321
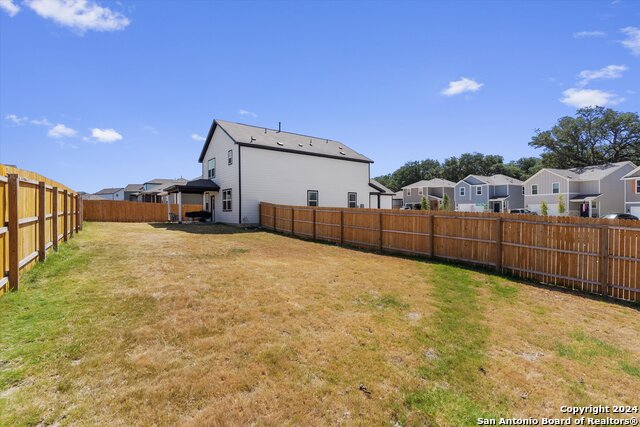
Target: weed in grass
586	349
633	370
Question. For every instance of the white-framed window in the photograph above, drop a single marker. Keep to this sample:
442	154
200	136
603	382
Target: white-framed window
523	190
479	190
211	168
312	197
230	157
462	191
352	199
408	191
594	204
555	187
637	186
226	200
534	189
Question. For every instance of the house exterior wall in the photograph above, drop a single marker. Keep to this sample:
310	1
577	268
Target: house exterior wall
631	195
612	189
545	179
416	195
226	175
284	178
516	198
384	200
472	201
115	196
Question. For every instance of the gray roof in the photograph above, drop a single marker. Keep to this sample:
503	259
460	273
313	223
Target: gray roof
498	179
283	141
91	197
633	174
109	190
163	186
133	187
381	188
435	182
162	180
588	173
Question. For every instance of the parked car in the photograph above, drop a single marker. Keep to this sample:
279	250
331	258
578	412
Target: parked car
522	212
621	216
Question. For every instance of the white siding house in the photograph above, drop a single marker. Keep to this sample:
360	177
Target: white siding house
111	194
632	192
253	164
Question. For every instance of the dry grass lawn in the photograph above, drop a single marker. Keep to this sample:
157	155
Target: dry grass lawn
138	324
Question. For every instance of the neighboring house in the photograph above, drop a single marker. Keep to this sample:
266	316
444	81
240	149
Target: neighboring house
397	201
497	193
111	194
152	191
87	196
245	165
381	197
632	192
131	192
591	191
433	189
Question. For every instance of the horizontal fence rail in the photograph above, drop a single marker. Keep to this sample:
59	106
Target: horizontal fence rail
592	255
36	213
123	211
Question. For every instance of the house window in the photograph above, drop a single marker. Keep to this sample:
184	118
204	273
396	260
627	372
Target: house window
211	167
226	200
638	186
462	191
352	199
534	189
312	197
555	187
408	191
479	190
230	157
523	191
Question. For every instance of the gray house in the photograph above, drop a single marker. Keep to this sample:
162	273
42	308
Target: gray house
632	192
131	192
111	193
433	189
591	191
497	193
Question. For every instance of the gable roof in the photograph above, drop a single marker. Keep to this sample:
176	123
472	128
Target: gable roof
381	188
270	139
133	187
164	185
497	179
109	190
435	182
587	173
633	174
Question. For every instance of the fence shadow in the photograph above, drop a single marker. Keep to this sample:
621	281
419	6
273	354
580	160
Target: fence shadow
201	228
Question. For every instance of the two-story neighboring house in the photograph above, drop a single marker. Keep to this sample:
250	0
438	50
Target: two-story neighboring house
433	189
244	165
497	193
632	192
590	191
111	193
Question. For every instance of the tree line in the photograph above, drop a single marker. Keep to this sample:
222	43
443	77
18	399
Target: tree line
595	136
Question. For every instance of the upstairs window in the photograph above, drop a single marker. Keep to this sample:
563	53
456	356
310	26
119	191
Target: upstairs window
534	189
408	191
555	187
211	168
462	191
479	190
312	197
352	199
226	200
230	157
523	191
638	186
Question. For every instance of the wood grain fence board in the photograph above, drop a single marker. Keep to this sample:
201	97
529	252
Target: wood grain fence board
125	211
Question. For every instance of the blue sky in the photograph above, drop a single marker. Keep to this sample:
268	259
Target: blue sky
100	94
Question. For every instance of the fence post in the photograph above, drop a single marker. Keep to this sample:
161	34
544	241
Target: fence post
341	227
432	240
71	216
81	211
13	230
380	231
604	259
292	222
314	223
65	215
77	212
54	218
42	192
499	245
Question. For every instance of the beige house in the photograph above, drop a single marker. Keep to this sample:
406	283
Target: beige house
433	189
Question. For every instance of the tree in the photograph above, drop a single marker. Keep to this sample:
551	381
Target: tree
424	205
561	205
544	209
456	168
445	203
595	136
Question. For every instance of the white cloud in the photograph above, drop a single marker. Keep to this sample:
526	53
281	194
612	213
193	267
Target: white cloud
81	15
247	113
15	119
608	72
105	135
583	34
41	122
61	131
10	7
580	98
197	137
461	86
632	42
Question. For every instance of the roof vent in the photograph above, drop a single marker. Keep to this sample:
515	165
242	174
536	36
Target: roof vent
310	142
252	139
343	153
265	130
299	145
340	148
279	143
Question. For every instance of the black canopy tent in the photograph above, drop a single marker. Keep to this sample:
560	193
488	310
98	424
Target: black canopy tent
196	186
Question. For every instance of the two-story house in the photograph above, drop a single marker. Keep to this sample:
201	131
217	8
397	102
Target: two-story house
244	165
110	194
433	189
497	193
632	192
590	191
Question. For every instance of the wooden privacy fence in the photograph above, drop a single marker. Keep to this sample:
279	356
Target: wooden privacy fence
588	254
122	211
36	213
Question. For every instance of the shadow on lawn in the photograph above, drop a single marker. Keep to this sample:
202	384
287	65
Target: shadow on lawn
202	228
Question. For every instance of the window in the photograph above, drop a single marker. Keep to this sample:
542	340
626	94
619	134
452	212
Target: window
638	186
226	200
312	197
555	187
352	198
523	190
534	189
462	191
230	157
479	190
211	166
408	191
